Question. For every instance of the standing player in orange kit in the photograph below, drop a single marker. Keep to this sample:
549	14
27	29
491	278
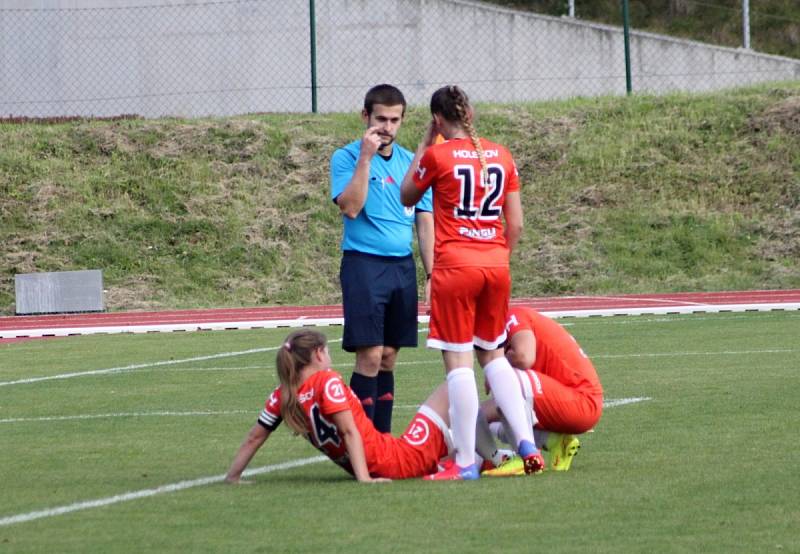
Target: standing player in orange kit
475	188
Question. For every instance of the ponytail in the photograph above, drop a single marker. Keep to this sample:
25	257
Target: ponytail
295	353
452	103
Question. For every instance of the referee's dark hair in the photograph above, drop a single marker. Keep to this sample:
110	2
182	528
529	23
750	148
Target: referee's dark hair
387	95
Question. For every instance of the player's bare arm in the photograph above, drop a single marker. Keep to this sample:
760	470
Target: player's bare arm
425	237
512	212
355	446
521	349
254	440
409	194
352	199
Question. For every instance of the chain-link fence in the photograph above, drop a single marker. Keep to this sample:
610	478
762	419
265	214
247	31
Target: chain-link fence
768	26
195	58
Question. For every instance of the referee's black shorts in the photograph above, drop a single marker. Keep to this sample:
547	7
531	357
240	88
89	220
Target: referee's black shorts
379	294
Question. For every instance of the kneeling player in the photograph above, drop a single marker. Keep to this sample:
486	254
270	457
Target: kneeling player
559	383
315	403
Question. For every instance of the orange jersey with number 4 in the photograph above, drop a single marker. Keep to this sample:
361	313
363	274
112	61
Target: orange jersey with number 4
324	393
468	214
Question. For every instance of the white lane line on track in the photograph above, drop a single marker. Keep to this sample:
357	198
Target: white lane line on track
673	310
658	301
134	495
182	485
671	318
672	307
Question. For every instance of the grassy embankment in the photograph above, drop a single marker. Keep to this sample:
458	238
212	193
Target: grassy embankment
639	194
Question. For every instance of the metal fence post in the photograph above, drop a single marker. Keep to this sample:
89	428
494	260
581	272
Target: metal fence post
313	30
746	24
572	8
626	31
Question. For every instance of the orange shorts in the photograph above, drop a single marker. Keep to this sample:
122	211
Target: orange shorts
469	307
558	407
415	454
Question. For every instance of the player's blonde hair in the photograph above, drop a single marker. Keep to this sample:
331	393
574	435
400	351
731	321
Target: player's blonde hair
452	103
296	353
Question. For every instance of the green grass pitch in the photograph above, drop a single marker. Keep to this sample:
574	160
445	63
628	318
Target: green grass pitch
707	463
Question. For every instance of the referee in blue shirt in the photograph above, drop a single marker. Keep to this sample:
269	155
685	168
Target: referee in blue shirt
378	274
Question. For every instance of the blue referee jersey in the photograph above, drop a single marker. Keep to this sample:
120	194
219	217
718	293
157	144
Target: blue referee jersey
383	227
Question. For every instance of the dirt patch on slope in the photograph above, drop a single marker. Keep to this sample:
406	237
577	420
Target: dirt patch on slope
783	116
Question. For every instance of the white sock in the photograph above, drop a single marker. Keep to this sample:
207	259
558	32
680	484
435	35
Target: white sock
541	437
502	432
463	393
484	440
499	431
507	394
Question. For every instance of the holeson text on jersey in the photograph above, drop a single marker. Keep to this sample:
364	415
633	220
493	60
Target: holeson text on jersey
473	155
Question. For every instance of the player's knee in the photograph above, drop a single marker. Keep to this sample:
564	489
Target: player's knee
388	358
368	361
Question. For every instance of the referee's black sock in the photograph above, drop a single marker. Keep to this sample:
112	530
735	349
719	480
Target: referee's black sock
385	402
366	389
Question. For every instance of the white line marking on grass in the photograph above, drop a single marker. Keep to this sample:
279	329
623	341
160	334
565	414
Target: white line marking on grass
673	319
122	414
613	402
342	365
676	354
136	366
608	403
222	369
347	365
182	485
142	366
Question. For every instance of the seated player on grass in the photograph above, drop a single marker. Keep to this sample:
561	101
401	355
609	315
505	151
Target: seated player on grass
560	386
315	403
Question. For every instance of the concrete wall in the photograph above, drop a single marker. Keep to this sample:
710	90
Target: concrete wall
186	58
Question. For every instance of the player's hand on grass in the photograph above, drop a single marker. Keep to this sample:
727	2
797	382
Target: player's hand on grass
238	481
375	480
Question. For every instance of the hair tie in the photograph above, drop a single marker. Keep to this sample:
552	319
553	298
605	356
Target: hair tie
287	345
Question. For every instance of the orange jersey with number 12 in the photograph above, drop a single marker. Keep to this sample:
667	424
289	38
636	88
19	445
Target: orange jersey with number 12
468	213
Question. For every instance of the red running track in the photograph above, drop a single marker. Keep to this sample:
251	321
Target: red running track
16	327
